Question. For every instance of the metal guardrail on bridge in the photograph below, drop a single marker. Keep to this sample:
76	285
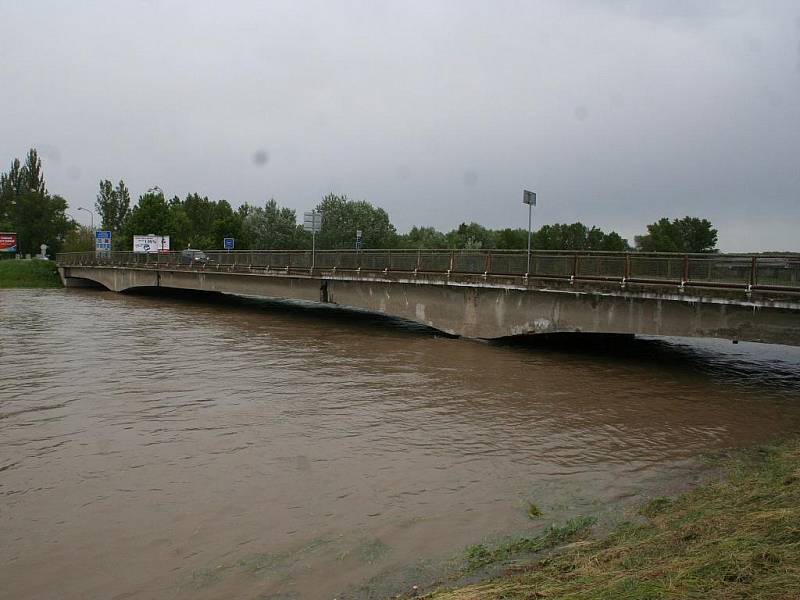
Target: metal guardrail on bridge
750	272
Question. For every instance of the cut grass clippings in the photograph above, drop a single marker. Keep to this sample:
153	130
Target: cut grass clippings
28	274
737	538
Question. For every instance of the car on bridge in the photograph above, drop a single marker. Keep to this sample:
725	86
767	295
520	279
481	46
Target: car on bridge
194	257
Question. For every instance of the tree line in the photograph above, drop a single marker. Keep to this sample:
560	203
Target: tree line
199	222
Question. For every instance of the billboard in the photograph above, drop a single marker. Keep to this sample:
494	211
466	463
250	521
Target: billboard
8	242
151	244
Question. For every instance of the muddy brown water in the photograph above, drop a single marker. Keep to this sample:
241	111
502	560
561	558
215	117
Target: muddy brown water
199	447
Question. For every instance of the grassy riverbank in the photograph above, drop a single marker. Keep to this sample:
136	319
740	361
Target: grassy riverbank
28	274
735	538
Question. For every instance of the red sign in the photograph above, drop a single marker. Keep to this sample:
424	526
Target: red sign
8	242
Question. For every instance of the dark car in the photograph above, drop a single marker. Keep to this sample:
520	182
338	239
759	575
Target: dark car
194	257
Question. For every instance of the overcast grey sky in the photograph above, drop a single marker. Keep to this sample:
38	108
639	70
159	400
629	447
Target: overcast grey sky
616	113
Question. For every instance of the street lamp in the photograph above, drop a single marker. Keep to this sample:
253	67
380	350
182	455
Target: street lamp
529	198
90	212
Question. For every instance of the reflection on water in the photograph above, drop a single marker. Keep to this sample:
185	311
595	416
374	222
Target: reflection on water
217	447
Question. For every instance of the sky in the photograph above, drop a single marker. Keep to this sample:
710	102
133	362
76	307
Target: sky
616	113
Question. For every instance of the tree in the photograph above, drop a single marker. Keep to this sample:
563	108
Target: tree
341	218
577	236
614	242
79	238
10	188
689	234
40	220
199	213
178	225
472	236
227	223
512	239
113	205
271	227
422	237
27	208
31	174
151	215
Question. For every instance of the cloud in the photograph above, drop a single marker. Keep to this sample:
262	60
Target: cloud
617	113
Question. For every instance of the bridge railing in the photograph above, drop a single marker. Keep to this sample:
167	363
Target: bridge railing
765	271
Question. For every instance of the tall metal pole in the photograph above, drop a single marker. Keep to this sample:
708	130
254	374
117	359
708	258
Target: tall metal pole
313	243
530	217
529	198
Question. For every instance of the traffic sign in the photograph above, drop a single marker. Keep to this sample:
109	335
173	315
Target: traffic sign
359	239
102	241
228	243
312	221
529	198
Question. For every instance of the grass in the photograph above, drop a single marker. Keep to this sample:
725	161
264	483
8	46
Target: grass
28	274
555	535
534	512
732	539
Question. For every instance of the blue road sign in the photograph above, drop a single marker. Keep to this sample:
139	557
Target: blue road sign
102	241
227	243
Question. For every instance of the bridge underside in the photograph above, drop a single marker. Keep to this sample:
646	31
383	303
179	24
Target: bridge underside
487	311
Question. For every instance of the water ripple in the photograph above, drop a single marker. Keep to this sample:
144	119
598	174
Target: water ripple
161	432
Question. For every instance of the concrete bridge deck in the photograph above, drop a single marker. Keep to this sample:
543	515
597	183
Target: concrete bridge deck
488	294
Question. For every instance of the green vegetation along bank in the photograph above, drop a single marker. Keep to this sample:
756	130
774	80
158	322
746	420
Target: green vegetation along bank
28	274
734	538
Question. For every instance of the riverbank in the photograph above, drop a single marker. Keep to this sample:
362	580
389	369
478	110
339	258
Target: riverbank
734	538
29	274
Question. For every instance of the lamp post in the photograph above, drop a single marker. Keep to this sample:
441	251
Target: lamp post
90	212
529	198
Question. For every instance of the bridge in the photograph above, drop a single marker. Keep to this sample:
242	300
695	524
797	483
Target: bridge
490	293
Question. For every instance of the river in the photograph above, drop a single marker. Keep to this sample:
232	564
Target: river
215	447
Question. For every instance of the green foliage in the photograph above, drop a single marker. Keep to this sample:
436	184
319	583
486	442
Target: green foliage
422	238
28	274
689	234
151	215
341	218
27	208
271	227
79	238
472	236
202	223
512	239
113	205
577	236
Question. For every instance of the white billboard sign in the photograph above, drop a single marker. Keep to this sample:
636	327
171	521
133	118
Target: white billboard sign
151	244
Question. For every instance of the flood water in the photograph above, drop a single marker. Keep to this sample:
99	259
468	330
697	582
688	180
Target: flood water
196	447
